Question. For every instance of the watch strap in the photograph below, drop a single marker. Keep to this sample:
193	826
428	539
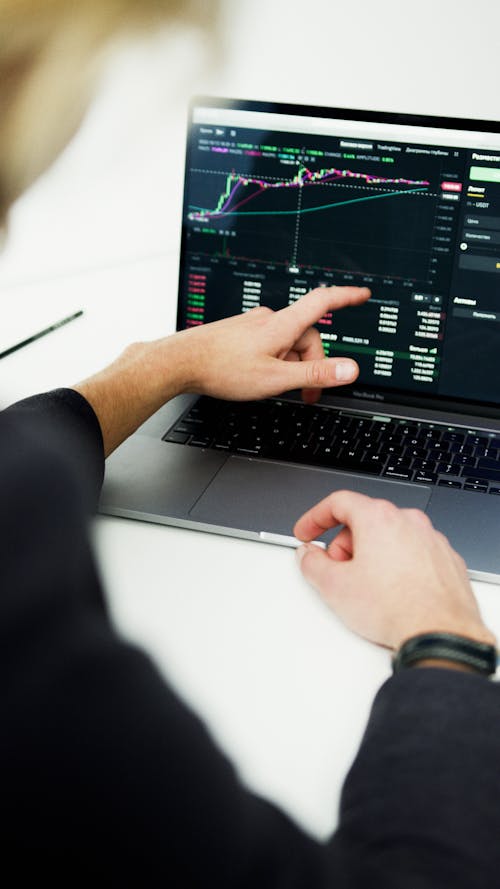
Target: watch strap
448	647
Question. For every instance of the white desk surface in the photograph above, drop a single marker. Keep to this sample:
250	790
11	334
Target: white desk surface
284	687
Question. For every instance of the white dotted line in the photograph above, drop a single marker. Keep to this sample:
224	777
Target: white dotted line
330	184
297	226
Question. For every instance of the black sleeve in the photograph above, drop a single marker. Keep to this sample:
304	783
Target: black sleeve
108	779
63	419
421	802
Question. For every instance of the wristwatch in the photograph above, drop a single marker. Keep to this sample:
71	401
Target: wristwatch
480	656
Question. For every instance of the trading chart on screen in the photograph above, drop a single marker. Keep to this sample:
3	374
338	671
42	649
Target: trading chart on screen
272	212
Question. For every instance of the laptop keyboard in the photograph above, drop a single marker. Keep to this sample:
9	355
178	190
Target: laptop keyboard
430	454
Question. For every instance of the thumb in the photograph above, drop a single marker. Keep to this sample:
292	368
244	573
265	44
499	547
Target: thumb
317	374
316	566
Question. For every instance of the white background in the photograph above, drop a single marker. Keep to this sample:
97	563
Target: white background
282	685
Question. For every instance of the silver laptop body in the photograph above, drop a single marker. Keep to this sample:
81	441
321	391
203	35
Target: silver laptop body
280	199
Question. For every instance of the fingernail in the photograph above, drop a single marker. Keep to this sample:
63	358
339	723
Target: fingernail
344	370
300	553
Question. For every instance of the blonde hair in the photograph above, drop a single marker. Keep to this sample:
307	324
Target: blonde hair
48	50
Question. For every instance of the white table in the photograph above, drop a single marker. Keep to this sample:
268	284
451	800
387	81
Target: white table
285	689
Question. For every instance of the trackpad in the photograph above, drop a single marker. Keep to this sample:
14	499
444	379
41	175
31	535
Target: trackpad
253	495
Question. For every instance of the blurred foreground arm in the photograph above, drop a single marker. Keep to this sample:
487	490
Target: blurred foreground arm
255	355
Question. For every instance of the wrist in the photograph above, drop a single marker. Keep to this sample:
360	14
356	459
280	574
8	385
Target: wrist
166	367
142	379
476	632
180	360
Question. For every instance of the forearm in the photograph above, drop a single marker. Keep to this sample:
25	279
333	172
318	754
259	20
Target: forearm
137	384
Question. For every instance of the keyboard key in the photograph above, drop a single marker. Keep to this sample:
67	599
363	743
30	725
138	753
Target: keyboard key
449	468
490	453
362	422
439	455
400	472
326	451
449	483
431	435
200	442
416	452
463	461
486	463
424	465
408	430
393	439
375	460
303	452
399	461
494	490
277	450
189	426
351	453
480	488
177	437
475	440
466	450
480	476
426	478
368	435
221	445
454	436
391	450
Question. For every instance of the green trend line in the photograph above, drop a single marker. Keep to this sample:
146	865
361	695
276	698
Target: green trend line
373	197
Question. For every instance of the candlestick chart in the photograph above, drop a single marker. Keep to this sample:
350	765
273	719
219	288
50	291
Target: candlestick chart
329	218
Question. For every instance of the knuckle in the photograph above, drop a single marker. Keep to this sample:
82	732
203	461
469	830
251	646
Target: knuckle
386	510
442	538
419	517
317	373
261	311
459	559
317	291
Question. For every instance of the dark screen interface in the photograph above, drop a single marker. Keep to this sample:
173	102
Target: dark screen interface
271	214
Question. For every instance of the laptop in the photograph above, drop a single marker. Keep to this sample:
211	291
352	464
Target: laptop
280	199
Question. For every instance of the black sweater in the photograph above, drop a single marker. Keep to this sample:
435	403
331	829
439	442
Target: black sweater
107	779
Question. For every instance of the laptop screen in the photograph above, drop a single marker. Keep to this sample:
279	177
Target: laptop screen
280	199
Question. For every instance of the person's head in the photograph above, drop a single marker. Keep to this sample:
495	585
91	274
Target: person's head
48	50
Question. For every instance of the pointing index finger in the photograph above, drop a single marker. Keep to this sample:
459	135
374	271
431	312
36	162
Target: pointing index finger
313	305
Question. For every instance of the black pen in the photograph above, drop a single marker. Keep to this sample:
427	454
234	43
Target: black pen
36	336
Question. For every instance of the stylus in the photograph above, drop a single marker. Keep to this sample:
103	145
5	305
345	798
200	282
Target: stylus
285	540
36	336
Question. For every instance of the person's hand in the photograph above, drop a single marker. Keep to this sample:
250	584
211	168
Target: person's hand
389	575
255	355
263	353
